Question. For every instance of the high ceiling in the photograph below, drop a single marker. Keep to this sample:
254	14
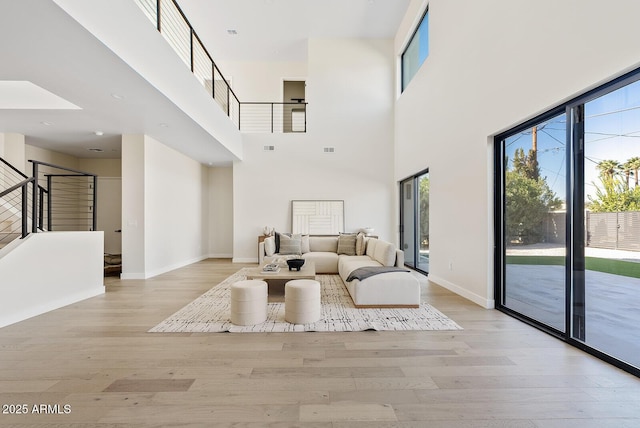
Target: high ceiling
278	30
61	57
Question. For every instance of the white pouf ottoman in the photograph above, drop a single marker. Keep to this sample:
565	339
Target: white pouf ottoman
249	302
302	301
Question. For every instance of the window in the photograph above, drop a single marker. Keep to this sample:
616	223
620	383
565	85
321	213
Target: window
416	51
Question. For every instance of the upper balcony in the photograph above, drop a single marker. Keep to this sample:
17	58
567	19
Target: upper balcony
257	117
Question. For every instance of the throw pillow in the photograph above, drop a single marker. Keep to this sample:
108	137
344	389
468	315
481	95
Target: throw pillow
361	242
304	244
347	244
270	246
385	253
371	247
290	244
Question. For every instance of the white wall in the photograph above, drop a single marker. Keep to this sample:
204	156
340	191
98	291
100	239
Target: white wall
12	149
133	207
164	208
492	65
69	269
176	223
350	95
259	80
221	212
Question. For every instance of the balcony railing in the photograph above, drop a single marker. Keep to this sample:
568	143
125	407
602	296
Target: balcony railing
174	26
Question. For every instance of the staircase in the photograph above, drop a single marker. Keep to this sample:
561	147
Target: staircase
14	192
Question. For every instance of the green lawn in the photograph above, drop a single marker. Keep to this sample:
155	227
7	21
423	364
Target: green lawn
616	267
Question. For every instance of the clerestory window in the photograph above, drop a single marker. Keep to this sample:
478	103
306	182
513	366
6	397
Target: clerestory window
416	51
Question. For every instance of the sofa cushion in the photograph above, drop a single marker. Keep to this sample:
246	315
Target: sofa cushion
385	253
347	264
324	243
347	244
325	261
290	244
270	246
361	244
371	247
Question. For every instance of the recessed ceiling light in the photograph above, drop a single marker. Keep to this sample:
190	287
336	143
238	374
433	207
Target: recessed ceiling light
232	32
45	123
163	125
95	149
117	96
99	133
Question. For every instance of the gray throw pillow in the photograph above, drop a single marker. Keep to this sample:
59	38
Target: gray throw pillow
290	244
347	244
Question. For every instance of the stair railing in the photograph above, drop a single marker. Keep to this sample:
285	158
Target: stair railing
63	199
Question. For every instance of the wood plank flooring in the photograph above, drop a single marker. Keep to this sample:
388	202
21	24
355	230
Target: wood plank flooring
97	358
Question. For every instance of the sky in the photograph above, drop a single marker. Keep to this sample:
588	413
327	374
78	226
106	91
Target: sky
612	131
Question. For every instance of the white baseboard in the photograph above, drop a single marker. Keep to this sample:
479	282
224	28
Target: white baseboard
164	269
479	300
220	256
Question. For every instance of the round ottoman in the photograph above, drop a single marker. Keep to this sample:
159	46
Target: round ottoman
302	301
248	302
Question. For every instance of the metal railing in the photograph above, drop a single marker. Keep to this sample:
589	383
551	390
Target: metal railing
176	29
63	199
14	209
274	117
171	22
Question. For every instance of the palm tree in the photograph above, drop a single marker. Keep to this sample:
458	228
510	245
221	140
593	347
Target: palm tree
634	163
608	168
627	168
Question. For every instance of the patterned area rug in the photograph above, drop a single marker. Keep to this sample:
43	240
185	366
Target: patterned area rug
209	313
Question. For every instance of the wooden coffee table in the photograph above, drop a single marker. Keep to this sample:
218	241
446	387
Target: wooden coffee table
276	281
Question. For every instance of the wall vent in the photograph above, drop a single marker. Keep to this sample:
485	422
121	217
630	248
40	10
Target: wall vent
329	149
269	148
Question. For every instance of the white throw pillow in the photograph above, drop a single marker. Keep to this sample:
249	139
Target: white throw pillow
385	253
270	246
304	244
371	247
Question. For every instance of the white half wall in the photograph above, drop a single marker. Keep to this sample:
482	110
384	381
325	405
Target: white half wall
491	66
350	95
69	269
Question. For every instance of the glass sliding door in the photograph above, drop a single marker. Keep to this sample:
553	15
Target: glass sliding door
567	222
414	217
408	216
608	320
534	247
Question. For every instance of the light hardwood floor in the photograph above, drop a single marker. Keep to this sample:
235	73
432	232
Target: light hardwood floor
97	357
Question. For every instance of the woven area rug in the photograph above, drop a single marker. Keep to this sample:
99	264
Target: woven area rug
209	313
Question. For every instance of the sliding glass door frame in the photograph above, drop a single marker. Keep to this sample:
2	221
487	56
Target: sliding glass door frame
415	195
575	287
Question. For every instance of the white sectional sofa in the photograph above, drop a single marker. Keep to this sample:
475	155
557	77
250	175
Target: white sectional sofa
389	289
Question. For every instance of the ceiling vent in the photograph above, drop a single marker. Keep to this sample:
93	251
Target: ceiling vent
329	149
269	148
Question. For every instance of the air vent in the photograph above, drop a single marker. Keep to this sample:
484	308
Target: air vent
269	148
329	149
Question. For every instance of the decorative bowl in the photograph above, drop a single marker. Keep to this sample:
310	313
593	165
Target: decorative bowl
295	264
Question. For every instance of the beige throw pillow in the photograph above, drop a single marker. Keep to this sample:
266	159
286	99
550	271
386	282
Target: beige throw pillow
361	244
